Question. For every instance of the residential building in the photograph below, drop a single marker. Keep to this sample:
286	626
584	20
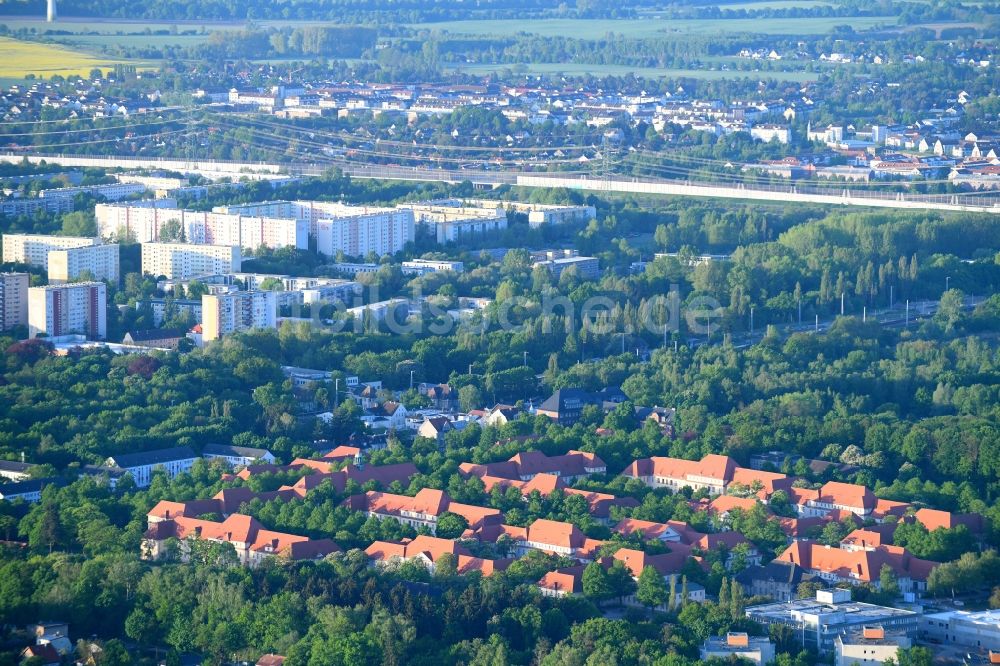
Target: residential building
186	260
13	300
223	314
11	470
451	220
714	473
146	224
527	465
770	132
587	268
428	550
566	405
838	565
251	542
164	308
236	456
738	645
77	308
974	630
109	191
869	645
421	266
817	622
94	262
33	249
548	536
173	461
423	509
30	490
156	338
777	580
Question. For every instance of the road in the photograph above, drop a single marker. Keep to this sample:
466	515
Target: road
835	196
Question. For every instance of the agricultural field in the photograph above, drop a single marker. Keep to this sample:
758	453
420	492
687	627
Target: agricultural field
18	59
655	27
584	69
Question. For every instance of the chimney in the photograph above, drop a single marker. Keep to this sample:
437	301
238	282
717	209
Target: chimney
50	14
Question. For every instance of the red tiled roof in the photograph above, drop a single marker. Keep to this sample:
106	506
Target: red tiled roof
862	565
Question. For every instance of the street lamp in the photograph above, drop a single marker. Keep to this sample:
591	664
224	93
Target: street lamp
947	282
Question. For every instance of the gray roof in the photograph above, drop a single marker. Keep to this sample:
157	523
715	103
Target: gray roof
157	457
235	451
14	466
29	486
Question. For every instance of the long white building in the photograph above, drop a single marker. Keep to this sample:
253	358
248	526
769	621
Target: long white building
145	224
337	227
57	310
96	262
184	260
222	314
452	220
33	249
13	300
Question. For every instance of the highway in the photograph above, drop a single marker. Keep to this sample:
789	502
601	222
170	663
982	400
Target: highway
833	196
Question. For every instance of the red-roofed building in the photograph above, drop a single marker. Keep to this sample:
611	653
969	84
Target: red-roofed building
251	542
713	473
528	464
835	495
429	550
859	566
933	519
648	531
423	509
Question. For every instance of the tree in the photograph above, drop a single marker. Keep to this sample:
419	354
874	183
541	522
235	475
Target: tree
79	223
949	311
652	590
888	584
469	398
596	585
451	525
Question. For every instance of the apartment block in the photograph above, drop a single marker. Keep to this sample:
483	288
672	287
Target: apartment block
96	262
13	300
452	220
185	260
33	249
385	231
79	308
223	314
145	224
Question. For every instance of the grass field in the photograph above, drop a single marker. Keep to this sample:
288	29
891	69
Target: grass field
18	59
580	69
654	27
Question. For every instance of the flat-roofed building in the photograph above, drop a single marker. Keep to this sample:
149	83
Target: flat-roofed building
738	645
95	262
817	622
57	310
13	300
33	249
185	260
223	314
869	645
979	630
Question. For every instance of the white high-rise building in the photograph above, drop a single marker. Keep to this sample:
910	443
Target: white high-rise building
97	262
13	300
185	260
353	230
146	223
68	309
33	249
222	314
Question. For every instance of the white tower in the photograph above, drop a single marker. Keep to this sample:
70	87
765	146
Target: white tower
51	13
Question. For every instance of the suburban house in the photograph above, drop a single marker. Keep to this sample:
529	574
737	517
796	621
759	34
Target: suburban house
250	540
442	396
236	456
174	461
500	415
434	428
